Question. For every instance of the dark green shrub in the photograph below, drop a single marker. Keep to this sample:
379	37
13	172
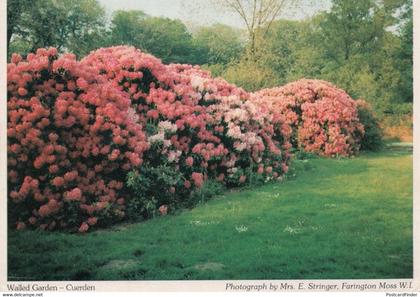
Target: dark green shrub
152	187
209	189
372	139
300	154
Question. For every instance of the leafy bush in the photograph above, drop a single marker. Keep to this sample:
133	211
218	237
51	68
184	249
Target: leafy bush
209	189
151	188
303	155
372	138
250	75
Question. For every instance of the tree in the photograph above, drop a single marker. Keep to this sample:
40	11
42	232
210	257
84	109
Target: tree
64	24
15	8
289	49
125	26
167	39
251	75
405	54
347	29
360	46
221	44
257	14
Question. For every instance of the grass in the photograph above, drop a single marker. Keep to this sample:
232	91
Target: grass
342	218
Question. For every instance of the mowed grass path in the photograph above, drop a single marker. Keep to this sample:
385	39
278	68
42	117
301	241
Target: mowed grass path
345	218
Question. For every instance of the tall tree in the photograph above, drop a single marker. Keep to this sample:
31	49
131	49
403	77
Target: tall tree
358	43
289	50
65	24
221	44
405	53
258	16
167	39
126	25
15	8
348	29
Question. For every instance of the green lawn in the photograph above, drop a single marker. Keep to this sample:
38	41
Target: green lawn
340	218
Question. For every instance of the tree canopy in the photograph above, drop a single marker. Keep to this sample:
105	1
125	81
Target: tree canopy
65	24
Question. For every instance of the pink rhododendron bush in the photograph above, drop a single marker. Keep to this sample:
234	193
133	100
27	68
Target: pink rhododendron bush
198	127
324	118
119	134
71	136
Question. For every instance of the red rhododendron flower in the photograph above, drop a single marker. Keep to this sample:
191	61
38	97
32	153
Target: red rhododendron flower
58	181
187	184
189	161
92	221
83	228
74	195
22	92
198	179
163	209
20	226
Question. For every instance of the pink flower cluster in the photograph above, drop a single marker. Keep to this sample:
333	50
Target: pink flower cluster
75	128
324	118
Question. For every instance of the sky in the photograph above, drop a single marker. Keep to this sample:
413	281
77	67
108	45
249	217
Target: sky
203	12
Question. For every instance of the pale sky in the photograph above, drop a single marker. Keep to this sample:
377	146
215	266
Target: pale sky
203	12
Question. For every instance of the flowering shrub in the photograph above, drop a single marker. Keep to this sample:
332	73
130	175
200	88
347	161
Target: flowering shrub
76	128
71	135
202	127
324	119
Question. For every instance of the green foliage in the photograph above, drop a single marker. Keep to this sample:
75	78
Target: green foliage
150	190
304	155
287	50
171	41
15	9
372	139
125	25
209	189
167	39
150	187
404	57
251	75
72	25
364	49
255	179
216	70
221	44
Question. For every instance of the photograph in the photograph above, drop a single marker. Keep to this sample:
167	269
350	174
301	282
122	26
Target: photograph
210	140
